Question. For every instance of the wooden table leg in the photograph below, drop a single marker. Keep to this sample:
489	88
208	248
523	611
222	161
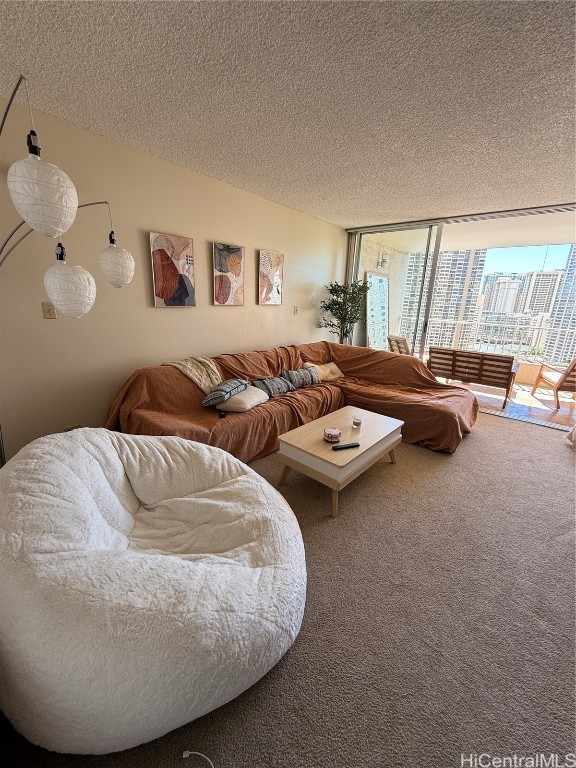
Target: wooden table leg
285	475
392	456
334	509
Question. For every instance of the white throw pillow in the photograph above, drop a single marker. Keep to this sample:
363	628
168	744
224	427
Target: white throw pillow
327	372
243	401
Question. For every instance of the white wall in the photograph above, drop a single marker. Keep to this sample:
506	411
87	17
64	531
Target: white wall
58	373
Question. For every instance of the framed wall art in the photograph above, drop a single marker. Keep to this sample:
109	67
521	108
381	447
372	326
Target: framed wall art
270	277
172	270
228	263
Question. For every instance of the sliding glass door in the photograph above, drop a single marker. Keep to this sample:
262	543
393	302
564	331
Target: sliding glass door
398	264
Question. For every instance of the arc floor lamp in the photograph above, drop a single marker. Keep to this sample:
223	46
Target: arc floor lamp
47	200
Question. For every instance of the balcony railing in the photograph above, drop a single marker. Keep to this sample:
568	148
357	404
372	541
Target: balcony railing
512	336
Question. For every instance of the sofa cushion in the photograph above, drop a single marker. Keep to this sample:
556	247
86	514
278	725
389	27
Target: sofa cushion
302	377
326	372
243	401
224	391
274	385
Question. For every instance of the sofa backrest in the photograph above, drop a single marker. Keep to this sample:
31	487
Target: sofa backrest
260	364
316	352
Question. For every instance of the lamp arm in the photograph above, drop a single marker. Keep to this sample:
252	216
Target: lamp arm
10	100
21	80
25	235
100	202
5	243
9	251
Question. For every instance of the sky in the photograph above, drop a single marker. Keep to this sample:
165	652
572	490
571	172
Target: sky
526	258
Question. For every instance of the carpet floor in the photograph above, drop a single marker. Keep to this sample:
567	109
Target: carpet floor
440	621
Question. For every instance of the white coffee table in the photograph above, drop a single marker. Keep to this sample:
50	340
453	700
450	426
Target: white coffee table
305	449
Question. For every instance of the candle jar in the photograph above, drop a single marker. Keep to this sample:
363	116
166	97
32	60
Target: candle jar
356	422
332	435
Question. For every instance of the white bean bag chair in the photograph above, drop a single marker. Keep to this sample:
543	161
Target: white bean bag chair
144	581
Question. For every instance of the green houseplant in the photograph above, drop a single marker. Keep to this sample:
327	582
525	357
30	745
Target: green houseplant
347	304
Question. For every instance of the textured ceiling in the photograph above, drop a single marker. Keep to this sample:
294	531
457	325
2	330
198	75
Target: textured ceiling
357	113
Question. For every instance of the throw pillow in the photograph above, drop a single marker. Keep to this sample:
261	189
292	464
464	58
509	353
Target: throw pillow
244	400
302	377
326	372
273	385
224	391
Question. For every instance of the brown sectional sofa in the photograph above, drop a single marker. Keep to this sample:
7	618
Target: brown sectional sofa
161	400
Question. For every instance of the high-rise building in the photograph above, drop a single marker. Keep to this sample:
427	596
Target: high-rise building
411	297
561	342
539	291
377	311
492	277
502	294
454	307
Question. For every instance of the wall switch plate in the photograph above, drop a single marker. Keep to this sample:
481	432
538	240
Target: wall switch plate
49	310
295	309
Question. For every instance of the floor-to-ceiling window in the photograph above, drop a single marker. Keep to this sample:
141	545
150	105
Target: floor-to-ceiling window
495	282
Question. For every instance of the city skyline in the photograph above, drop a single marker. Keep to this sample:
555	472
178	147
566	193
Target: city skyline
532	315
529	258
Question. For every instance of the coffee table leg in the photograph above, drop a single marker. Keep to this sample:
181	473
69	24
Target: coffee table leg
285	475
334	509
392	456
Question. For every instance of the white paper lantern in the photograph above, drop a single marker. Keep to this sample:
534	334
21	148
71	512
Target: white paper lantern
71	289
117	265
43	195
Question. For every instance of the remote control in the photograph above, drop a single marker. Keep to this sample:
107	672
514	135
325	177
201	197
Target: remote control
342	446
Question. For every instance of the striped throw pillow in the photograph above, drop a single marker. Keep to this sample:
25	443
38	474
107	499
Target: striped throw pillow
274	385
224	391
301	377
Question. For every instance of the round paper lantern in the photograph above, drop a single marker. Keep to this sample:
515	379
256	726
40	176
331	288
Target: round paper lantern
43	195
71	289
117	265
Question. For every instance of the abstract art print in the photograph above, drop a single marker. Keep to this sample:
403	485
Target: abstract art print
228	261
270	276
172	270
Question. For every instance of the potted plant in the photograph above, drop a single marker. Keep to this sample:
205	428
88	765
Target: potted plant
347	305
